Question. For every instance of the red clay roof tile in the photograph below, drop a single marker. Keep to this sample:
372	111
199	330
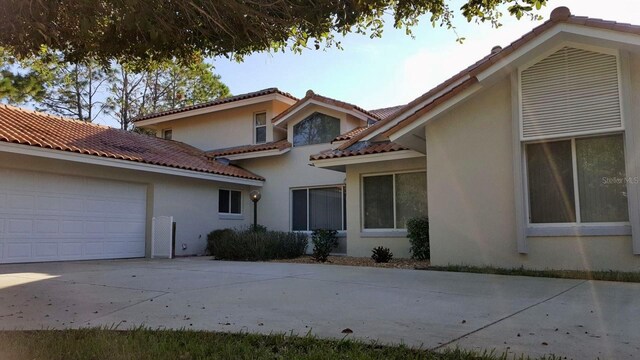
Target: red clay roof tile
558	16
217	102
277	145
329	101
32	128
368	149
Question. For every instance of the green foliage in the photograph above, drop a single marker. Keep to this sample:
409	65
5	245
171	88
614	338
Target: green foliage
86	90
161	30
603	275
324	241
147	344
418	234
215	237
249	245
381	254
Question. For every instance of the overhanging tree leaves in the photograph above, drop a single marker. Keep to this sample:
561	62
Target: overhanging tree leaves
160	30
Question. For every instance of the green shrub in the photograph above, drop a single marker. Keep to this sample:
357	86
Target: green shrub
246	244
324	241
381	254
214	237
418	234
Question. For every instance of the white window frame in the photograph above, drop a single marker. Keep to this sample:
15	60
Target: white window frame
395	228
256	126
230	215
164	133
632	166
343	188
578	227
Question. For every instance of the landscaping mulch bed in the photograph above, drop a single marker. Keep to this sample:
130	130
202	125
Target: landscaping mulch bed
360	261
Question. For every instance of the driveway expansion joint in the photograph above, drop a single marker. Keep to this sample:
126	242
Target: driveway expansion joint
440	346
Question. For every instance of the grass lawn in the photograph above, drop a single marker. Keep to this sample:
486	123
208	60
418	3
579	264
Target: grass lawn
168	344
561	274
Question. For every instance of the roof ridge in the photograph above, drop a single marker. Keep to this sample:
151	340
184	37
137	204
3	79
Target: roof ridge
57	117
560	15
218	101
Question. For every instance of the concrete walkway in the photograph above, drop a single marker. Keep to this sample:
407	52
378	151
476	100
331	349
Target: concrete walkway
574	318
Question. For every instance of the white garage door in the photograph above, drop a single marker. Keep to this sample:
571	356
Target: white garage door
47	217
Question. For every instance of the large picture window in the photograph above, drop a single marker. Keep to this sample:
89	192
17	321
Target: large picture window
316	129
318	208
390	200
229	202
580	180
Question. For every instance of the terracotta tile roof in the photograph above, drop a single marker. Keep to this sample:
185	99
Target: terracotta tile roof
558	16
32	128
217	102
386	112
277	145
310	95
360	149
349	134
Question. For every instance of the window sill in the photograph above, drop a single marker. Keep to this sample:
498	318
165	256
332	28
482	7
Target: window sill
230	216
383	234
579	230
340	234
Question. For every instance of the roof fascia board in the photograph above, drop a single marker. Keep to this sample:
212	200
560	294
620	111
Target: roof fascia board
121	164
255	154
312	101
421	120
562	28
361	159
406	113
214	108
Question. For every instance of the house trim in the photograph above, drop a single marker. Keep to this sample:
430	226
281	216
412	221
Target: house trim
312	101
255	154
362	159
214	108
122	164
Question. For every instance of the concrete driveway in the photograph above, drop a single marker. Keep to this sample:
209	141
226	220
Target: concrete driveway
574	318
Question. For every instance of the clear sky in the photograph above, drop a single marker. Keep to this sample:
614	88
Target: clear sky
395	69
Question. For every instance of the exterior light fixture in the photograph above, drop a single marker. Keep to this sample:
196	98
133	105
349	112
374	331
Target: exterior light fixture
255	197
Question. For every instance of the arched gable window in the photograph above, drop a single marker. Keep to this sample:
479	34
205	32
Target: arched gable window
318	128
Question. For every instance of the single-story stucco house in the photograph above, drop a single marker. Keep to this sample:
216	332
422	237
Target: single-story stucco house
529	157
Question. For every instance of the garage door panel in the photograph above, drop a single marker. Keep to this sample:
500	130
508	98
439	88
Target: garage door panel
18	250
19	227
70	249
47	226
48	204
56	217
72	205
21	202
45	250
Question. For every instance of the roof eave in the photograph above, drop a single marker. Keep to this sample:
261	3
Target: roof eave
215	108
25	149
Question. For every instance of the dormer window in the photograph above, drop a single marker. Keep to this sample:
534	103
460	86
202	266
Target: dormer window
316	129
167	134
260	127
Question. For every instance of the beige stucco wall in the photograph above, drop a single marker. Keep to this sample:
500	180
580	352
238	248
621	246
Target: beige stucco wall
471	194
359	242
192	202
224	128
282	173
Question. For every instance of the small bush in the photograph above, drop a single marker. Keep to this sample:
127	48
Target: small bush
249	245
215	237
418	234
381	254
324	241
